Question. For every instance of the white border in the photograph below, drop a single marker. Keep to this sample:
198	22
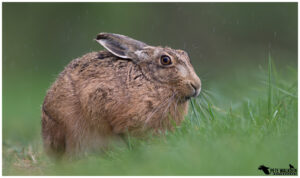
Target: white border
235	1
142	1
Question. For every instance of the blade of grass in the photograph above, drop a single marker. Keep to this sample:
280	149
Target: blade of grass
269	87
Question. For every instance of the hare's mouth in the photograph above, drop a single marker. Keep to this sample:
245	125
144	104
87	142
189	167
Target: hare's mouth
194	92
187	98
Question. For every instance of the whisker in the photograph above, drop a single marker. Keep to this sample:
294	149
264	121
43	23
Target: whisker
175	107
209	92
170	102
160	105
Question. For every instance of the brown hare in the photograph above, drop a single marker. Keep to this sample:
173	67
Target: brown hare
130	88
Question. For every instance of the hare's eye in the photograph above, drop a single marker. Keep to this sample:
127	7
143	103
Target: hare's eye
165	60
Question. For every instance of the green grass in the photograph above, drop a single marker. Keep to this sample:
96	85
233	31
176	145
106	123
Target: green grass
237	124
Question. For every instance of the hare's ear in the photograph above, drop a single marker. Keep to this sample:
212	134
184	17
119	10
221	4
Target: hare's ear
120	45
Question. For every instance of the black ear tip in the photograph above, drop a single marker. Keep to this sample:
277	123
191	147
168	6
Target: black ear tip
102	36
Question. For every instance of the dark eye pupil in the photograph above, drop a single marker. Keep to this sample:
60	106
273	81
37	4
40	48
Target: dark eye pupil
165	60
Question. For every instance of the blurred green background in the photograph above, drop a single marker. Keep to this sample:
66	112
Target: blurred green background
225	41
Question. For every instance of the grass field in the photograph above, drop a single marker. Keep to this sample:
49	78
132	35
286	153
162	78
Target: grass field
238	123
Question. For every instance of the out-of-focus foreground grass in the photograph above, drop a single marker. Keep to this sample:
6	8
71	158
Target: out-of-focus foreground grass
239	122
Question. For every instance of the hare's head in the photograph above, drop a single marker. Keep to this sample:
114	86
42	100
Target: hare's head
166	66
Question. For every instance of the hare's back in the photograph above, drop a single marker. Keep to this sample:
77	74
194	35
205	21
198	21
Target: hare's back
91	66
90	62
93	74
101	73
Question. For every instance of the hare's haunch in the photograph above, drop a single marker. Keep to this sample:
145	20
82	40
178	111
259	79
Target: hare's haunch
130	88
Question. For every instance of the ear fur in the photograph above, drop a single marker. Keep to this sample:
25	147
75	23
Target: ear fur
120	45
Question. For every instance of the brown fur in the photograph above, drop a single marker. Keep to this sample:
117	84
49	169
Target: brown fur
100	96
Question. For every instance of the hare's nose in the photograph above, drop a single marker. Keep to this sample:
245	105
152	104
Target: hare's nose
197	88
